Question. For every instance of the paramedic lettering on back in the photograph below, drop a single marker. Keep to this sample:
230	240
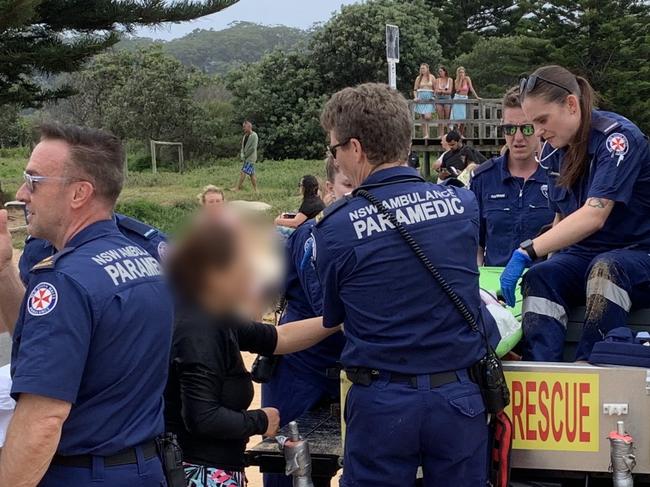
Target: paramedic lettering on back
91	345
407	348
599	188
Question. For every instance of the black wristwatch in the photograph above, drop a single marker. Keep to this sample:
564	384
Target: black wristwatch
527	246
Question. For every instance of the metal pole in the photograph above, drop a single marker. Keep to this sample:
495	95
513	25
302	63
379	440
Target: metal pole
153	157
427	166
392	74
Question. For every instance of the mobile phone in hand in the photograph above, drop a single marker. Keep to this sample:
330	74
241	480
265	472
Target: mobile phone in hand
288	215
17	215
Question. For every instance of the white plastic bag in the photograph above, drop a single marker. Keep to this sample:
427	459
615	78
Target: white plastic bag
509	327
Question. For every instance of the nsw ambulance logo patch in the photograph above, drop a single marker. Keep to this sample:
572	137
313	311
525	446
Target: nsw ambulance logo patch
42	300
617	144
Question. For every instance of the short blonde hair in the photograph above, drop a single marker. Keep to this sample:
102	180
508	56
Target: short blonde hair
210	188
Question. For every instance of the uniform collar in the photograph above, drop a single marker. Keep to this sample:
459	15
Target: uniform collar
92	232
505	172
389	175
594	140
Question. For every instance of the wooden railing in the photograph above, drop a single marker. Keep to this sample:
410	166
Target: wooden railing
481	125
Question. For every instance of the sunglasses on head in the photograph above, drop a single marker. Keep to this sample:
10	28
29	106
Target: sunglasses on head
510	129
528	83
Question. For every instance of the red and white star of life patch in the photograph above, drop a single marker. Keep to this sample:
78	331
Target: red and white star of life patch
617	143
42	300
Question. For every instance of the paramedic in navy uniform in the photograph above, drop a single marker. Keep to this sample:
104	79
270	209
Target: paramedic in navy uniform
599	187
512	190
149	238
407	347
91	345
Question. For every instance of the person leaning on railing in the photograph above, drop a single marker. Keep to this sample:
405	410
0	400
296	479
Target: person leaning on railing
443	91
462	85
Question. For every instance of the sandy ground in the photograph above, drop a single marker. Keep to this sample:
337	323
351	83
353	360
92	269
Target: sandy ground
253	473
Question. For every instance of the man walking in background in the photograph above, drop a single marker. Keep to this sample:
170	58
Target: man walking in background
248	156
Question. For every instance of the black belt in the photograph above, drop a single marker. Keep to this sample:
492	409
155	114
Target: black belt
365	377
124	457
435	380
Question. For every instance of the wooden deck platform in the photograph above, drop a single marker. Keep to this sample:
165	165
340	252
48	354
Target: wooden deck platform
482	129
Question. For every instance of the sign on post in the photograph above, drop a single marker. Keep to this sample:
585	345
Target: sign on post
392	53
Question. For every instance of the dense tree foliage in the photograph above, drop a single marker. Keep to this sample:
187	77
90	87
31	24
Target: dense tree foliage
221	51
282	76
46	37
464	22
496	63
148	94
608	42
351	48
283	96
284	93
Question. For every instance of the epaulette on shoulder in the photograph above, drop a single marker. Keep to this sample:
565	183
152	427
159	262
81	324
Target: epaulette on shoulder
331	209
486	166
136	226
50	262
605	124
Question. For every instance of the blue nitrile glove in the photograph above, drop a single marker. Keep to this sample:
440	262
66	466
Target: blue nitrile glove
511	274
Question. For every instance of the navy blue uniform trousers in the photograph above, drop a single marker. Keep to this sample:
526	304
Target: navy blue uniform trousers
442	429
146	473
609	283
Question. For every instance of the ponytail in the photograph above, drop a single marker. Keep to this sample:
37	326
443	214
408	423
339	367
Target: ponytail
575	161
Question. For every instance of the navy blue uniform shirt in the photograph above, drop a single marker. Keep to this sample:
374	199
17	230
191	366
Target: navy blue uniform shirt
618	170
147	237
512	210
396	316
304	297
95	330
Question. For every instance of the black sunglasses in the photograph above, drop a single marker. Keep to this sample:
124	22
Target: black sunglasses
528	83
333	148
510	129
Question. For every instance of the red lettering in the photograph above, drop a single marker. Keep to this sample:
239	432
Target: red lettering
517	406
557	391
571	434
543	399
585	436
530	410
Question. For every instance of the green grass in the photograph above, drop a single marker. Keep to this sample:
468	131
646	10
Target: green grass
166	198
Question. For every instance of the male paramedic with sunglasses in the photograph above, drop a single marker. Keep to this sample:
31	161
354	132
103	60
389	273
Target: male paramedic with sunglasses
92	339
512	190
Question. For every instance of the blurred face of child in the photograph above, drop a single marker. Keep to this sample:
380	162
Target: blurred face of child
227	288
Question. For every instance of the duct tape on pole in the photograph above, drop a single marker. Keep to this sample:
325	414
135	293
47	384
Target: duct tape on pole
392	53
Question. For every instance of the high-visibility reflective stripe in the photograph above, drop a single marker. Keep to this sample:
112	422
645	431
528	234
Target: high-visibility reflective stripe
610	291
545	307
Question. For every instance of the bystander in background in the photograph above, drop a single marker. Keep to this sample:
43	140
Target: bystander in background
248	156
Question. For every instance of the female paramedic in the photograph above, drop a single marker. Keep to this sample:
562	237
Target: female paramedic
598	166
